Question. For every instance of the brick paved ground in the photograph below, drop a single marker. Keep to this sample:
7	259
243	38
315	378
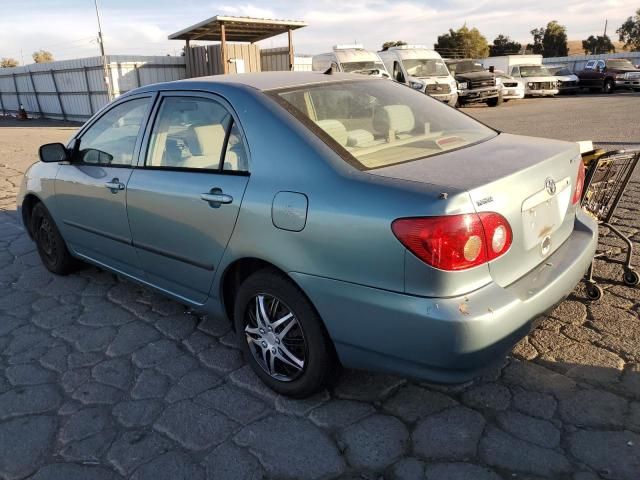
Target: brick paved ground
101	379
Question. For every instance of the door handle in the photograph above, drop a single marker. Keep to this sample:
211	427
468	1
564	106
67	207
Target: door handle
114	184
216	197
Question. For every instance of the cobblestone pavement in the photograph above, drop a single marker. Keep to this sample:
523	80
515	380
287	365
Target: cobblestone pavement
102	379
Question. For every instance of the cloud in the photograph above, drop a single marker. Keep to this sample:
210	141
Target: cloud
136	27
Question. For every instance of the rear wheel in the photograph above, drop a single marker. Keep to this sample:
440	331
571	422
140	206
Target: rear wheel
51	247
281	335
608	86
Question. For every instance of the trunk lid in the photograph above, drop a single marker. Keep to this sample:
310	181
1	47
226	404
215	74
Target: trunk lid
529	181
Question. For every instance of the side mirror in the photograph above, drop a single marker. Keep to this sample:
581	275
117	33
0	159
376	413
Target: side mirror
53	152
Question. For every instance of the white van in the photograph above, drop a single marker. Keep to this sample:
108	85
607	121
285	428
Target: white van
538	80
422	69
350	59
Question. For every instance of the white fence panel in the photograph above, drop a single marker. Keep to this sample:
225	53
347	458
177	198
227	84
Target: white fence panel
76	89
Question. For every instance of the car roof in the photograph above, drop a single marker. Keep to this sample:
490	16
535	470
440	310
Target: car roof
263	80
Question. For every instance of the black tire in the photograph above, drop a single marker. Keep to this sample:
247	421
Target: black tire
51	246
630	278
594	292
608	86
312	341
495	101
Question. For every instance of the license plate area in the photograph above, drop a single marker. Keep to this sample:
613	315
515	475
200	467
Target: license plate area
543	213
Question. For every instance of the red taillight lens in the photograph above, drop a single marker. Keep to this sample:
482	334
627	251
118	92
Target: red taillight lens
455	242
577	193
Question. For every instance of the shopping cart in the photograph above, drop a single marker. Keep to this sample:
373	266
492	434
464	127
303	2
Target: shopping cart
606	178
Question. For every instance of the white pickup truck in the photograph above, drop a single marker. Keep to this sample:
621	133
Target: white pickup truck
538	80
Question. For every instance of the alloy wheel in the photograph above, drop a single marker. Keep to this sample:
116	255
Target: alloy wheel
275	338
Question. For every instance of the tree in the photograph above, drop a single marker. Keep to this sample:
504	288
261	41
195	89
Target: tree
462	43
550	41
503	45
536	46
554	42
8	62
629	32
388	45
42	56
599	44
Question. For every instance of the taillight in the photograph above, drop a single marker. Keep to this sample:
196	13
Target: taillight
455	242
577	193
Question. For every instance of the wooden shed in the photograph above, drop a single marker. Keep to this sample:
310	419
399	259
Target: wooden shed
237	51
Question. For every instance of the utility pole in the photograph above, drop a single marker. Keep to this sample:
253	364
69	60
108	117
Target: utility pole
105	67
605	27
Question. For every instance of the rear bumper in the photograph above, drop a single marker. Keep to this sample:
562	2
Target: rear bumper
446	339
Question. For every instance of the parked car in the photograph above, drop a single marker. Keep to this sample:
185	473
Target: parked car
567	82
607	75
422	69
332	218
510	88
350	59
475	84
538	81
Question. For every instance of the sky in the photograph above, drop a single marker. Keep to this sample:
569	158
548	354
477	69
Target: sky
68	28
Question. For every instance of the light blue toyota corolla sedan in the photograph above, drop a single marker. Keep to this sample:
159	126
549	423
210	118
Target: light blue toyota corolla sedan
334	219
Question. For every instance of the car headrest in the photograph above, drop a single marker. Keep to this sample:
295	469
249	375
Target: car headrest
359	138
335	129
209	139
394	117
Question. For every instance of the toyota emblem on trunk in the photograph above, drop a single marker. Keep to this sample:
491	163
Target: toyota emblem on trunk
550	186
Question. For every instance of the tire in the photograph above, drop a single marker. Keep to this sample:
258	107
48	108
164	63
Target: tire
495	101
608	86
631	278
593	291
51	246
301	341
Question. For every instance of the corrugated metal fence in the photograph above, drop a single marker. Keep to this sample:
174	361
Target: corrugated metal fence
75	89
576	63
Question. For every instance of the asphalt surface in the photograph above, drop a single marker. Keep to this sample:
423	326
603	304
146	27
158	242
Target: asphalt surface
102	379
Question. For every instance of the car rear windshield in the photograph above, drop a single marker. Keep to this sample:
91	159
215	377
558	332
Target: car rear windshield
377	123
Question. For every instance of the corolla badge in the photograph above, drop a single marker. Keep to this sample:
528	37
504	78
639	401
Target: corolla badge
550	186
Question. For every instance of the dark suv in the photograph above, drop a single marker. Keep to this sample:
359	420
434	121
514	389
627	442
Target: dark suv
607	75
475	84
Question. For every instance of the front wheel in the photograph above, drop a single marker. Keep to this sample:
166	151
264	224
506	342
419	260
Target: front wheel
495	101
608	86
51	246
281	335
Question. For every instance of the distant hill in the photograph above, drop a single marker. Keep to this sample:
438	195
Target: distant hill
575	47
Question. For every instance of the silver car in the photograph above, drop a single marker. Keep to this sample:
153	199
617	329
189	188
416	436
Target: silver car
333	219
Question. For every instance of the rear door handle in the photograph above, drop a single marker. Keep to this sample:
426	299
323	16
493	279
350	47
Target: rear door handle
114	185
215	197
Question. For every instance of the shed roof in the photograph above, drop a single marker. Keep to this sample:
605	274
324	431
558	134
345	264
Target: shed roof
237	29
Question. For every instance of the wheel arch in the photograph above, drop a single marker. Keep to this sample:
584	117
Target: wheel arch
239	270
28	203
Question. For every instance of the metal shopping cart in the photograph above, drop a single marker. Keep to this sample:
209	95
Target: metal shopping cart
606	178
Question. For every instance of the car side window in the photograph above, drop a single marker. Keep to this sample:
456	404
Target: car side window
111	140
515	72
590	65
195	133
601	64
